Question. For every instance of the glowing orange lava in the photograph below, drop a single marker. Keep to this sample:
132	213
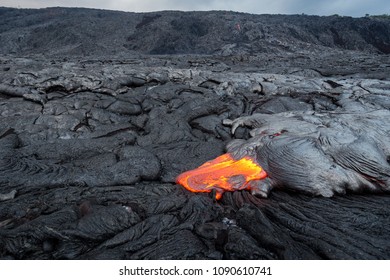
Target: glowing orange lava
222	174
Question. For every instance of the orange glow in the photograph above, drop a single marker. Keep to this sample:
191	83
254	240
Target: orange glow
222	174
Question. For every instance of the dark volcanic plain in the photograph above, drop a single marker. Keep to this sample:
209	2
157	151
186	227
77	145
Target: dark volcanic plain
100	111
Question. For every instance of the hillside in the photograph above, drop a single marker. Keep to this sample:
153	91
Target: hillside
76	31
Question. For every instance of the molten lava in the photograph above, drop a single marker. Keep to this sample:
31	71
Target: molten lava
222	174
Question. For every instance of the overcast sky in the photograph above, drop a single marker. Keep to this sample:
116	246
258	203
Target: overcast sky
354	8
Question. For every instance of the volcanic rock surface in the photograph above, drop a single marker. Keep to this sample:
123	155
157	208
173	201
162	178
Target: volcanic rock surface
90	149
72	31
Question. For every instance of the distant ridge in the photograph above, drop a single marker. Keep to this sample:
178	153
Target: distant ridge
80	31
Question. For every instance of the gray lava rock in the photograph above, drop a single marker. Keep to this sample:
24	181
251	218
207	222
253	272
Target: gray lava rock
88	160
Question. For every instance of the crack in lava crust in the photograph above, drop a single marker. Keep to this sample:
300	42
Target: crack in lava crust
223	173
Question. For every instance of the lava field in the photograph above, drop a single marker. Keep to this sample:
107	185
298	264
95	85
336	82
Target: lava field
91	150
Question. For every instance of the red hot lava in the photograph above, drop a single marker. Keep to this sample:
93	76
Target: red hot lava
223	174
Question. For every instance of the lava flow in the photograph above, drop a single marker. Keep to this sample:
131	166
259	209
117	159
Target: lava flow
223	173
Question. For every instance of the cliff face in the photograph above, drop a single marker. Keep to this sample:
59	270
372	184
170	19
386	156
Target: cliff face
64	31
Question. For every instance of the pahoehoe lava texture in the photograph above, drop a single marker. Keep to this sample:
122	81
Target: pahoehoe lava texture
90	151
90	146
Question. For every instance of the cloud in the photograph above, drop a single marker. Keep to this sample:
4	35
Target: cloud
341	7
51	3
319	7
262	6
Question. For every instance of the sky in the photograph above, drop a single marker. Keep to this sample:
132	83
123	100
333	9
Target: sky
355	8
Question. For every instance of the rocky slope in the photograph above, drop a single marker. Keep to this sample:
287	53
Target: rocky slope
70	31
